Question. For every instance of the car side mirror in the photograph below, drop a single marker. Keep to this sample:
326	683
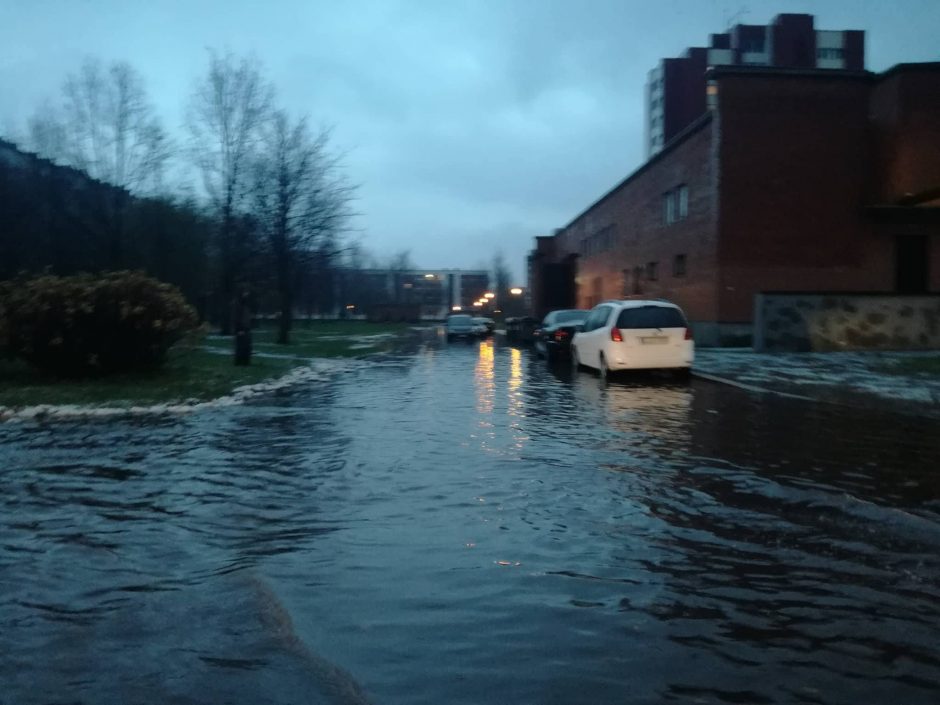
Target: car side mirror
579	328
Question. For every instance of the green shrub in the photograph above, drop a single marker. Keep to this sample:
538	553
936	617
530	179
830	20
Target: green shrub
92	324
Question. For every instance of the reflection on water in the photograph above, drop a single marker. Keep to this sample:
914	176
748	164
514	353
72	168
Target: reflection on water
469	525
485	378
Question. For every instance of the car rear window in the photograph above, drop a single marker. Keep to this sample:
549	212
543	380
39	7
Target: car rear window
570	316
651	317
461	320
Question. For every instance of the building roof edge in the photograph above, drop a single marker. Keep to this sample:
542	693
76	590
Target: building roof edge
669	147
782	71
909	66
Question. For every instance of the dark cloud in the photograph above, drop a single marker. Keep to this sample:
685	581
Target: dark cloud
472	126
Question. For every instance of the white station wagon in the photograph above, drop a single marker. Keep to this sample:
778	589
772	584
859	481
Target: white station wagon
634	335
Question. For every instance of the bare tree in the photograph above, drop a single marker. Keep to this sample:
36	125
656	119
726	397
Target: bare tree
302	200
400	262
501	276
46	131
107	128
227	111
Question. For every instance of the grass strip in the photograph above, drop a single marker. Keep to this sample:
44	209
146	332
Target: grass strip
199	373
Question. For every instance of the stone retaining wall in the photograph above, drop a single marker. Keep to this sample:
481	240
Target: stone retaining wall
824	322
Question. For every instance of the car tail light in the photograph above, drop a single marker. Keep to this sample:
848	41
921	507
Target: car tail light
688	334
561	335
615	335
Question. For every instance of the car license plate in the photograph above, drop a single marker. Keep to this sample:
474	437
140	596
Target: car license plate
654	340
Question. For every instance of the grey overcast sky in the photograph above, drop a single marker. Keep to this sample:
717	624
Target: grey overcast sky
472	126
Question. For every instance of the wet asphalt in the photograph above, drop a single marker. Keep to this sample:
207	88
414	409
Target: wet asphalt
466	524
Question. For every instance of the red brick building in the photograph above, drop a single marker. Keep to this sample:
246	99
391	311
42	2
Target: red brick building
793	180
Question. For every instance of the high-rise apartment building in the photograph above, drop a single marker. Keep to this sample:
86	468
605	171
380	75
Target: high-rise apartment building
677	90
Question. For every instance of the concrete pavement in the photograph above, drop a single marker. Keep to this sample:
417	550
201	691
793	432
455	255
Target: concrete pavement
865	378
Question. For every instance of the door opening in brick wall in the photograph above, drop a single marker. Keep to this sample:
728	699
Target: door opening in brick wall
911	254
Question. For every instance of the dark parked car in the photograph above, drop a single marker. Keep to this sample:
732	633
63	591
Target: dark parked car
489	325
520	330
553	338
460	326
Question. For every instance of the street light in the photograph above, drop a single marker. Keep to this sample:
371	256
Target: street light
516	291
489	295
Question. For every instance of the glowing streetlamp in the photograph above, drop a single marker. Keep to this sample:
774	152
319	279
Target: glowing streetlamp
516	291
489	295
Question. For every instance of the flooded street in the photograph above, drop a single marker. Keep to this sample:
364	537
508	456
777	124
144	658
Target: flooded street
466	525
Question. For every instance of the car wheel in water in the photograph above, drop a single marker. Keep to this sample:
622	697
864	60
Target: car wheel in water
602	369
683	374
575	362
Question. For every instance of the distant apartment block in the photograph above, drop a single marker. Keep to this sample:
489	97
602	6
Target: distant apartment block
677	92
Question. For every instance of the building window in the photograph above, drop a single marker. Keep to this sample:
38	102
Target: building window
678	266
600	241
676	205
669	208
753	46
711	95
651	273
830	53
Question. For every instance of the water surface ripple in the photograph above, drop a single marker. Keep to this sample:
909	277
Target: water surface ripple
466	525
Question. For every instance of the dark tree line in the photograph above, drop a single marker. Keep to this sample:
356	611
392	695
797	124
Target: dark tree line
56	219
268	223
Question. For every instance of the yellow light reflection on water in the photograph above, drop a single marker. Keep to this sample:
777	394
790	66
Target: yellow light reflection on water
484	378
515	404
515	368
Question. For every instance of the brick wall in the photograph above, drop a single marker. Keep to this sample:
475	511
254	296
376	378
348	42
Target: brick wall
795	163
905	115
635	210
684	91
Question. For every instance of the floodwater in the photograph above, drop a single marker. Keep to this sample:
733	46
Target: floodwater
465	525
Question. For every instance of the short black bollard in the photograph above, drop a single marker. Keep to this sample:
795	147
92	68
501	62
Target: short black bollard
242	331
